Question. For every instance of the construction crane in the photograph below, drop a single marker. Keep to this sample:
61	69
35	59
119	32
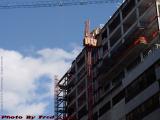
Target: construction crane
90	42
11	4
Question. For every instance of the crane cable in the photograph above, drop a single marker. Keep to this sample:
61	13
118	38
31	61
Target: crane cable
52	3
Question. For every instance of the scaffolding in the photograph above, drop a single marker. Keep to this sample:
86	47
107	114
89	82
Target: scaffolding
61	97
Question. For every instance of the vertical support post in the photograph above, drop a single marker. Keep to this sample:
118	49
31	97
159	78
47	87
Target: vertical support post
90	83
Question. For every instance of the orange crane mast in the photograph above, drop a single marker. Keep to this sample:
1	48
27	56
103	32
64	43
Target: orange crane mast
90	43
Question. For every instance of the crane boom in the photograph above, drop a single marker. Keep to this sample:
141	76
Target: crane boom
52	3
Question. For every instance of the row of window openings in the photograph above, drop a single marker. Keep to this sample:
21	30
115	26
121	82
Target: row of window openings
126	10
130	67
142	82
134	63
107	106
139	112
136	114
132	90
118	80
145	108
120	45
133	19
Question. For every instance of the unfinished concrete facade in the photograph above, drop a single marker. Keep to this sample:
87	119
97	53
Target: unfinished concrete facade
126	73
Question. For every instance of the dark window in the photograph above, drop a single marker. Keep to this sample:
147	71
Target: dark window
107	87
81	86
80	62
81	99
150	75
118	97
95	116
141	83
71	109
104	109
81	73
131	91
114	23
115	37
118	80
82	112
105	47
71	96
104	34
134	63
129	6
144	109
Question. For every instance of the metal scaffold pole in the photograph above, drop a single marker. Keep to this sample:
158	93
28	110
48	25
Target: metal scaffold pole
61	98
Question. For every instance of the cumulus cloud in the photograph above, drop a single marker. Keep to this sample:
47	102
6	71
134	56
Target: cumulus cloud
23	74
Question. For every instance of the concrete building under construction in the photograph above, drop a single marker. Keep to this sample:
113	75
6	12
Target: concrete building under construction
125	69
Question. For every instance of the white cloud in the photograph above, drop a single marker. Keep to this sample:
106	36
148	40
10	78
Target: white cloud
22	72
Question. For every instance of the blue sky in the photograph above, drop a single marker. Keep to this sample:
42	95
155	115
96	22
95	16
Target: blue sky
38	43
49	27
